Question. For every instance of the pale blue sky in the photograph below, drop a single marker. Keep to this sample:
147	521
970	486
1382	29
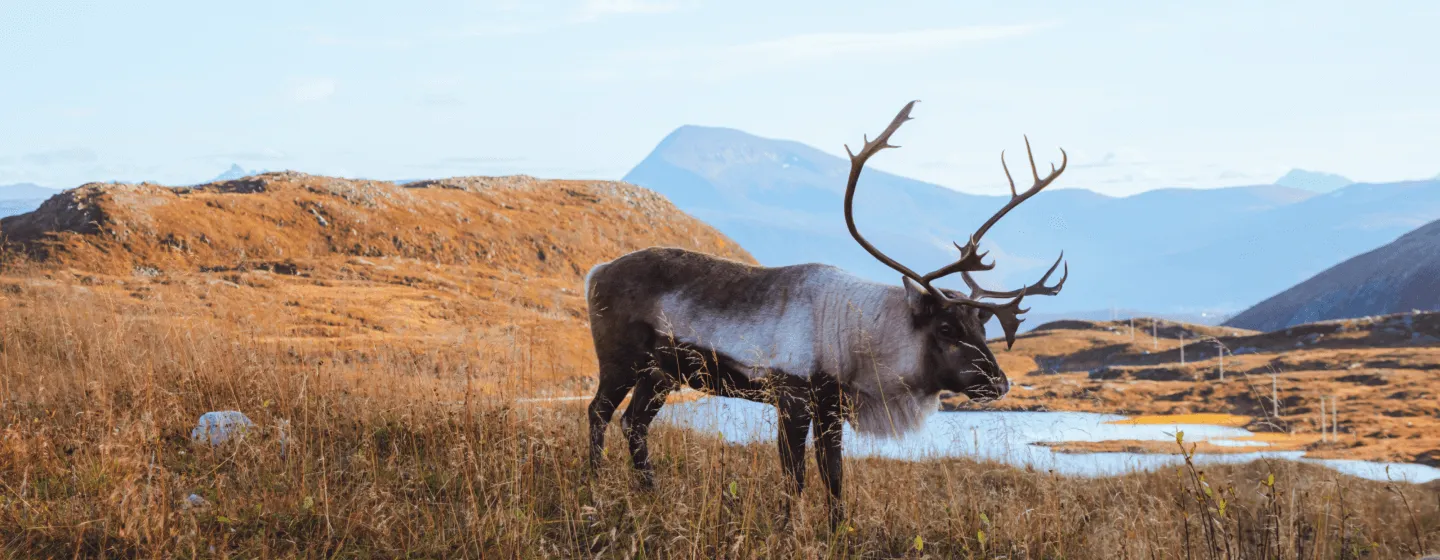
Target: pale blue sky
1143	95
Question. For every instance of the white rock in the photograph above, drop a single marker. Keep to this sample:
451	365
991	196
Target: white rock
196	501
219	426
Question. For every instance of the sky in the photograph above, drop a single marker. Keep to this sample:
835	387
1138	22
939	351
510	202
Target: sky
1142	95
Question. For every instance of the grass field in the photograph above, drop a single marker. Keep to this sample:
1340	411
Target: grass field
364	453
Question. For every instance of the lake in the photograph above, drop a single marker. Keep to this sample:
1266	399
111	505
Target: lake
1007	437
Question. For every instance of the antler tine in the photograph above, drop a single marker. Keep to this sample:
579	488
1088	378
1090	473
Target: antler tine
1007	173
883	140
969	260
857	164
1036	289
1007	313
1031	155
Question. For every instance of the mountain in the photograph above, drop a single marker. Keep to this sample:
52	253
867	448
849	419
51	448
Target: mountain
235	172
1165	251
1401	276
13	207
25	191
22	197
1314	181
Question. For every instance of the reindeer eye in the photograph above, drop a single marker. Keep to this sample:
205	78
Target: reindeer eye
946	331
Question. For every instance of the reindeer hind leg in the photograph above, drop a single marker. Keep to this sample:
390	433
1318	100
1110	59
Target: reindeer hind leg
649	396
622	357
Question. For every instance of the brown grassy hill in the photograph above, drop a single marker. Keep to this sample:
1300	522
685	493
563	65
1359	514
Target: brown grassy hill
1398	277
486	264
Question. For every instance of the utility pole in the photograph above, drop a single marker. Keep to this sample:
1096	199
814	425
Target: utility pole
1155	331
1132	328
1334	419
1220	351
1275	394
1322	418
1182	348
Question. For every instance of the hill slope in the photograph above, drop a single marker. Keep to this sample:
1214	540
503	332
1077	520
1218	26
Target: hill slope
1397	277
25	191
1163	251
494	265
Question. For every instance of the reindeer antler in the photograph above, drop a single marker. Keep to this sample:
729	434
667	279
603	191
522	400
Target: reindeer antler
1036	289
970	258
857	164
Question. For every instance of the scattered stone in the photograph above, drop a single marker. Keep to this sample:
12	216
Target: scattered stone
220	426
196	501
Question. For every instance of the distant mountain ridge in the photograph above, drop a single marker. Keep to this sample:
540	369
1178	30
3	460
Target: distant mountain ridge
1168	251
1314	181
26	191
20	198
236	172
1401	276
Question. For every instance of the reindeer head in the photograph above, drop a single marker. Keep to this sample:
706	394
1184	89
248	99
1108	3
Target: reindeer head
952	325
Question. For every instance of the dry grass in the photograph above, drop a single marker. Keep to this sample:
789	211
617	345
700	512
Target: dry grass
387	330
422	454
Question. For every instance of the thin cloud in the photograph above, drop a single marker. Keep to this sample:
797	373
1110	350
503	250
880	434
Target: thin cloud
313	90
808	47
470	160
829	45
351	41
497	29
66	156
595	9
506	19
264	154
78	112
1123	157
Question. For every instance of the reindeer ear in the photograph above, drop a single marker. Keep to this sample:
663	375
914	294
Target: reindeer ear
919	300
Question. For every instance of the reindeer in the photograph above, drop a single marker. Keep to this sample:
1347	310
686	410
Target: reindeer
821	345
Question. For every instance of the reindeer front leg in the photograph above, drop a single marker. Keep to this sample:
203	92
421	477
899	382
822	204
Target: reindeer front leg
794	415
828	434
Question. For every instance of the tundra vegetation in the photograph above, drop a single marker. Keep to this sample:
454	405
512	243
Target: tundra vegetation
389	456
386	385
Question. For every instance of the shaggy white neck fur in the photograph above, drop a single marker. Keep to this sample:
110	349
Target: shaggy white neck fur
856	330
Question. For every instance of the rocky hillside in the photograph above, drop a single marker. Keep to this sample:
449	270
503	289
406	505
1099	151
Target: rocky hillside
552	230
1401	276
483	264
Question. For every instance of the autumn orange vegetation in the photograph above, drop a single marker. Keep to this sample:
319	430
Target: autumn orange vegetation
379	334
493	265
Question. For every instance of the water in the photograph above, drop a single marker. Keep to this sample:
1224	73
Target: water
1007	437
